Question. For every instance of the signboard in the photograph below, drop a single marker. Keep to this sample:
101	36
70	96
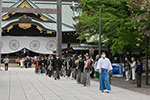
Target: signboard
117	70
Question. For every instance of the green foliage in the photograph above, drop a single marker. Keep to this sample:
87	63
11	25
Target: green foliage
117	26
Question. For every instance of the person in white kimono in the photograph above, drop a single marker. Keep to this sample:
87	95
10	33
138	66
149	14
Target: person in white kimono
104	67
21	62
133	67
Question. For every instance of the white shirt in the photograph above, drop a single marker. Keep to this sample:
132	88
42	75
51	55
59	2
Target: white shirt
6	60
133	64
104	63
21	62
95	66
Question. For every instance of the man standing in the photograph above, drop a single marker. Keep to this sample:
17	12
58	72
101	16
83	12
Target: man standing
45	62
50	67
42	65
72	67
37	65
21	62
80	69
68	70
27	62
104	68
57	67
133	67
88	66
6	61
127	68
139	70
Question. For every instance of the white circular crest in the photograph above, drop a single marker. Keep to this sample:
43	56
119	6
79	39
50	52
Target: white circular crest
51	45
14	44
35	45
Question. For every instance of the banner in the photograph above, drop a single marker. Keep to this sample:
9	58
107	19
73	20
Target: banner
42	45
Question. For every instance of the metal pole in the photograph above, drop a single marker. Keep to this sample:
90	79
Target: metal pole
147	48
59	28
100	30
0	28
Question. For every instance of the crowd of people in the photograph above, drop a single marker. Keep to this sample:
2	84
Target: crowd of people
133	70
79	68
82	68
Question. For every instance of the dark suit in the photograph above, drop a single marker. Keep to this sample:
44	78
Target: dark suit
57	63
139	70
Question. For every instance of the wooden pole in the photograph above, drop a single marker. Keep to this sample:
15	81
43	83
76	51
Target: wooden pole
0	28
59	28
100	30
147	49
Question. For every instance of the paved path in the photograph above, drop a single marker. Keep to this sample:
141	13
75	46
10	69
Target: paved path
24	84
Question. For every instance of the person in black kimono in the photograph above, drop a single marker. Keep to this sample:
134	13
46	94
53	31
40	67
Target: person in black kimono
57	63
80	69
50	66
28	62
68	69
46	62
72	67
42	66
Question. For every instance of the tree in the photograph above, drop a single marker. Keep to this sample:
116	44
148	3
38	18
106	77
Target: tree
117	26
88	25
140	19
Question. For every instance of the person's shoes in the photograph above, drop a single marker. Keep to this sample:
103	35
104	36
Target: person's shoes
106	91
72	78
133	82
138	87
127	80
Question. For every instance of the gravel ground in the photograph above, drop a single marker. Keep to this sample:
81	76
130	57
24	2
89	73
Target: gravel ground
120	82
